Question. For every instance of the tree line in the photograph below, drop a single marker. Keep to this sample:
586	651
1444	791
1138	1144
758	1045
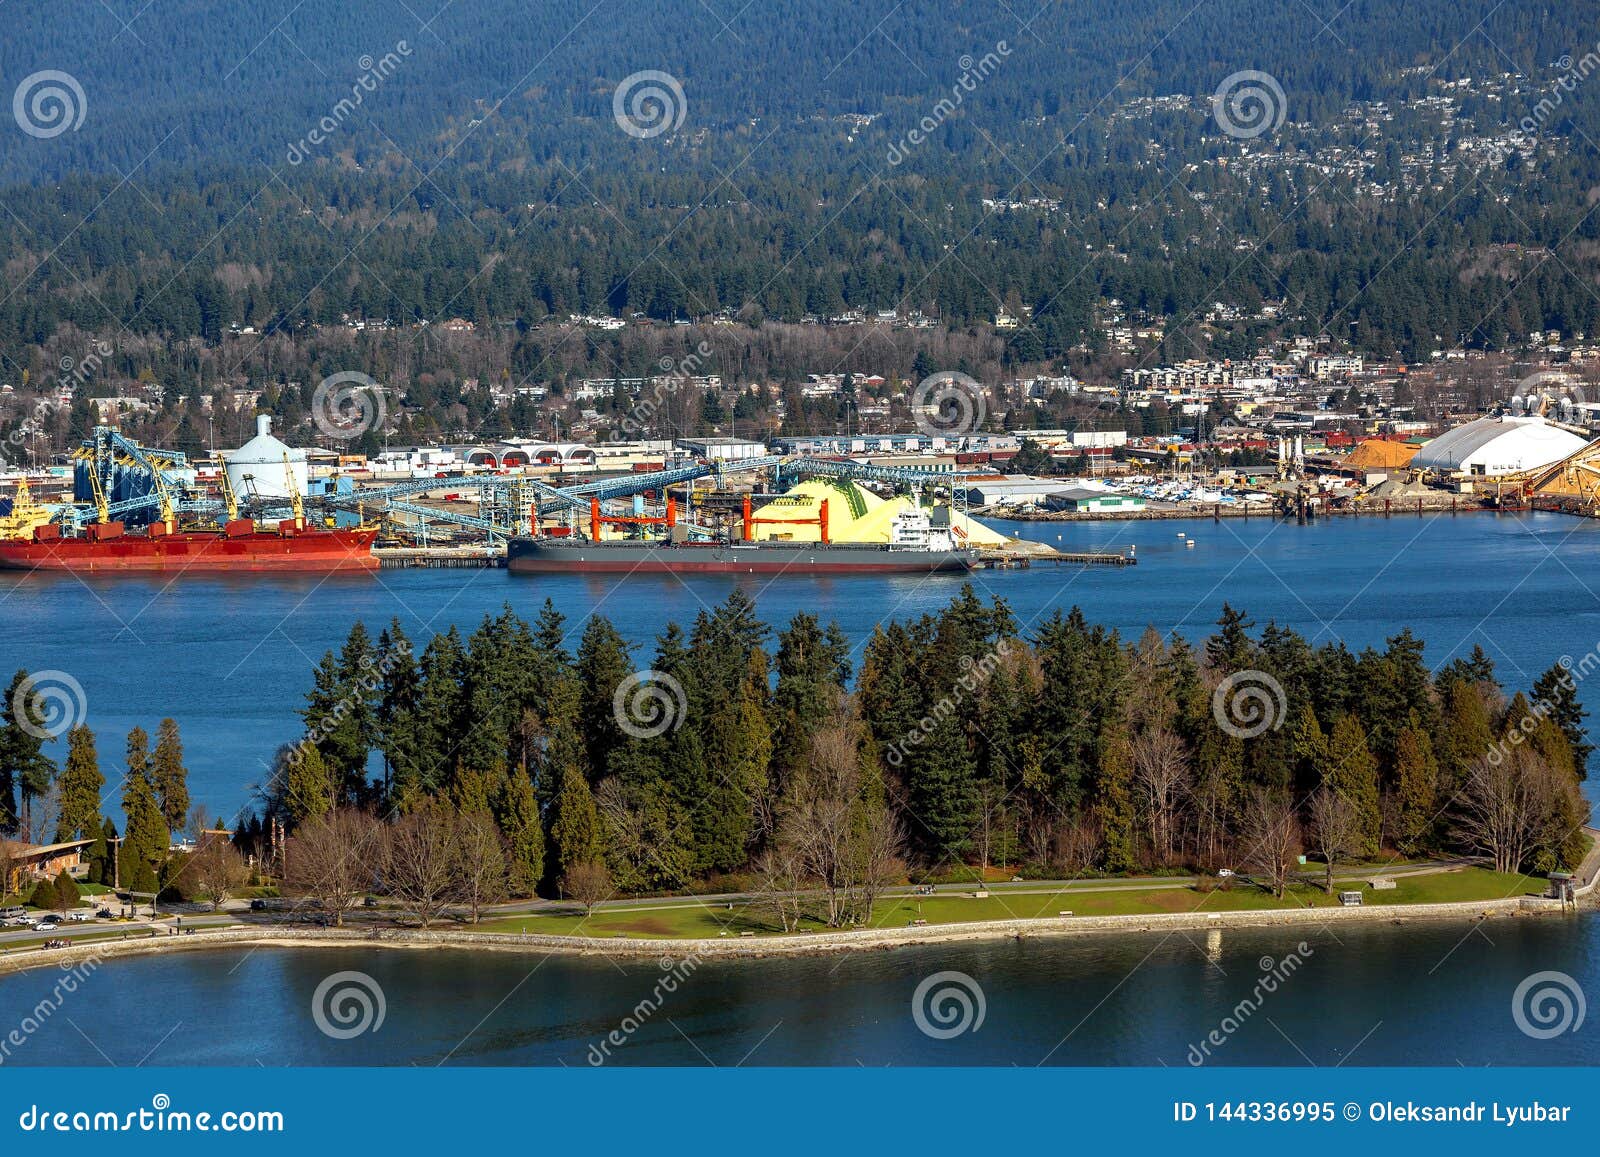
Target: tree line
744	757
41	802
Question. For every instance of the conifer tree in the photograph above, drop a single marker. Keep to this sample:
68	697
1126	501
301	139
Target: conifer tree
575	830
146	837
1416	786
1351	770
169	776
80	786
26	773
1557	691
516	811
310	789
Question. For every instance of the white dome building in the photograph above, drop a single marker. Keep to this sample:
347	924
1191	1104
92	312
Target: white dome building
1505	444
265	467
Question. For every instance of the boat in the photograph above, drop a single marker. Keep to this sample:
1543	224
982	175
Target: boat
914	547
239	545
31	539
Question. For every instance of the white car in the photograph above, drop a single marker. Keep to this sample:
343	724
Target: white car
1224	873
80	917
46	926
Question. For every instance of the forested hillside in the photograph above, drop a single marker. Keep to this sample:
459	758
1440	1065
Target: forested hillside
281	166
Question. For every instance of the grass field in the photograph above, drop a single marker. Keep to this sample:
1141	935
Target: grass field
684	919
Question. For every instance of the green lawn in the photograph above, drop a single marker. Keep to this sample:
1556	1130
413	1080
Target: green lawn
680	920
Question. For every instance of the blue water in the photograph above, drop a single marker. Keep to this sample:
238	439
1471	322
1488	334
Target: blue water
231	658
1427	994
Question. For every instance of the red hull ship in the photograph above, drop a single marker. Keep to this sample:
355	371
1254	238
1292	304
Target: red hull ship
237	546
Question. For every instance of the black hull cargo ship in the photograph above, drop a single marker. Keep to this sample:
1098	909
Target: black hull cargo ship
567	555
914	547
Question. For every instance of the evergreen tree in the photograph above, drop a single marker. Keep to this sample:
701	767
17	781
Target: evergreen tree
603	664
1114	802
1557	692
575	831
1351	770
169	776
80	786
516	811
25	771
943	796
145	843
1416	785
310	788
395	713
1230	649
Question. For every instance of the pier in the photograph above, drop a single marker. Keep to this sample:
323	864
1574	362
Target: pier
439	557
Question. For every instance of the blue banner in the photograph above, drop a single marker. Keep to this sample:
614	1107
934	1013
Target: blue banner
790	1110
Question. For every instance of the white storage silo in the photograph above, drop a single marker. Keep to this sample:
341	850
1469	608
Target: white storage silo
258	468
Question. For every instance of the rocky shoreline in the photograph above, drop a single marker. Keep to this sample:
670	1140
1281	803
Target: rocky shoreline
820	943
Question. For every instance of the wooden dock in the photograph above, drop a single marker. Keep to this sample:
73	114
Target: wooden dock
439	557
1006	560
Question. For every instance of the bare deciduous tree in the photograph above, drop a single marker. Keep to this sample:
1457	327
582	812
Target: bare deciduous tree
218	871
587	883
1271	837
330	859
780	880
838	829
1511	808
1162	773
1335	829
420	868
480	862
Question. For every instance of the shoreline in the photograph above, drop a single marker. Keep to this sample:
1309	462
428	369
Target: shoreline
807	944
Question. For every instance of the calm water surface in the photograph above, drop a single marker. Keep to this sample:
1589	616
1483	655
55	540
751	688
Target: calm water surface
231	658
1436	994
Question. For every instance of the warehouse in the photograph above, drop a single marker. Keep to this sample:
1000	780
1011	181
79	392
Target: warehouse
1080	500
1498	445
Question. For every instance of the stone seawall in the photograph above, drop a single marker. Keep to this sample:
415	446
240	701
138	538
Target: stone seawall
767	946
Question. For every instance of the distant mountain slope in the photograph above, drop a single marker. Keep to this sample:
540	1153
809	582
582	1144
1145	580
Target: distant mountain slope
190	80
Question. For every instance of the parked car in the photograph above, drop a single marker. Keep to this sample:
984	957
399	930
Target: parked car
79	916
258	905
105	914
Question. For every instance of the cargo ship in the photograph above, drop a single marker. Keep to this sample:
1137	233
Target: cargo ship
915	547
30	541
239	545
